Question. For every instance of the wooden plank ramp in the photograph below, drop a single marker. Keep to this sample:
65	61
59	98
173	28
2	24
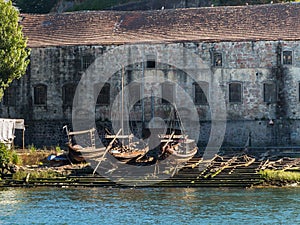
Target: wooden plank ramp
223	171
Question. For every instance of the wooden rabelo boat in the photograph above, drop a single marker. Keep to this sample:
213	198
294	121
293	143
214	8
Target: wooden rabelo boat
125	149
179	148
120	146
79	154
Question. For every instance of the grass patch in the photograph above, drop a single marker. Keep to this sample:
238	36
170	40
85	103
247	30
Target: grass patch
280	175
33	157
34	175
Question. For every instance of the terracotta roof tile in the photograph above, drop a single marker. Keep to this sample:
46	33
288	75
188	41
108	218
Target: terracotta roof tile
261	22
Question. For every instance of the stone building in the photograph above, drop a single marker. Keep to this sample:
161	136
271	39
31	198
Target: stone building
238	68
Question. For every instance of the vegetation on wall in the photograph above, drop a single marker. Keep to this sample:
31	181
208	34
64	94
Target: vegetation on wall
13	52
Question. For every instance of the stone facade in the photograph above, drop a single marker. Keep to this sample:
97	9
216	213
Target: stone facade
234	81
250	64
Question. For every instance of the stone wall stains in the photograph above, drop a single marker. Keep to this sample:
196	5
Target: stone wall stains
252	63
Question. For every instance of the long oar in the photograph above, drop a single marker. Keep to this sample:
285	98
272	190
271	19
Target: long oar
107	149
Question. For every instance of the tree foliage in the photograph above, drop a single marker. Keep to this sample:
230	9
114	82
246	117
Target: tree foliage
35	6
243	2
13	52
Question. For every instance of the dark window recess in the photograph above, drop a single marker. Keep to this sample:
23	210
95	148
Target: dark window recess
87	61
217	59
269	92
103	97
167	92
129	76
68	94
40	94
287	57
134	93
183	77
299	91
9	98
235	92
199	93
151	64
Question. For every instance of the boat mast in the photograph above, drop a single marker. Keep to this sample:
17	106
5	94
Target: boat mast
122	101
143	103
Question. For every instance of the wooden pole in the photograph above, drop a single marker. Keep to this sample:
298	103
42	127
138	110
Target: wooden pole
107	149
23	138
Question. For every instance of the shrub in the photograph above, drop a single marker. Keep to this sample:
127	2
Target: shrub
15	158
57	149
32	148
280	175
4	154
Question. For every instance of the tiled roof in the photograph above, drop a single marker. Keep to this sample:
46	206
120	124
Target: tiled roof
213	24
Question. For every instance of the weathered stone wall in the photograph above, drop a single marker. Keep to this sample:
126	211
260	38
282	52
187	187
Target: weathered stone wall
250	63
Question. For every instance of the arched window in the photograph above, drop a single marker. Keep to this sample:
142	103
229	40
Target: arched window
9	98
103	97
134	93
200	93
235	92
40	94
68	93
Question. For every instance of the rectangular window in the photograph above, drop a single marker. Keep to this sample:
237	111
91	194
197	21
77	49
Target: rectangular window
87	61
167	92
103	97
299	91
199	93
151	63
217	59
269	92
40	94
9	98
68	94
129	75
287	58
235	92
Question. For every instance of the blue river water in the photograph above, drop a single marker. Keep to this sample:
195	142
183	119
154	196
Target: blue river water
150	206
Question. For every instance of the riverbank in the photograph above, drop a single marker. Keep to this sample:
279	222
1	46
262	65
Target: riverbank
241	170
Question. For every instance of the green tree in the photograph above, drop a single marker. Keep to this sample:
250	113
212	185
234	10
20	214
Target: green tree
13	52
35	6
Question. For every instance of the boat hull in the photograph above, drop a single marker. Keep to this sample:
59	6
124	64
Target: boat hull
129	156
78	154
